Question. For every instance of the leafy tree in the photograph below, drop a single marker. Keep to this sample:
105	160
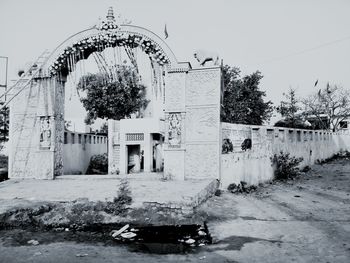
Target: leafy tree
4	125
288	109
297	123
104	128
112	98
243	101
329	106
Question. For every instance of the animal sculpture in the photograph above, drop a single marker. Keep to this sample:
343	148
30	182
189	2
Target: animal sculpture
203	57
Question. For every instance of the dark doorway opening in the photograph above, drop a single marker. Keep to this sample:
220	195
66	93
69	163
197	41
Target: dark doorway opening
134	158
157	152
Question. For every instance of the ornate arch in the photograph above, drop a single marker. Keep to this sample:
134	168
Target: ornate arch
109	34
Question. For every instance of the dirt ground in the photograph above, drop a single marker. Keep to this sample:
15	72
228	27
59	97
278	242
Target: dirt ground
306	220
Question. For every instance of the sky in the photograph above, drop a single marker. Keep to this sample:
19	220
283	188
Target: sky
292	42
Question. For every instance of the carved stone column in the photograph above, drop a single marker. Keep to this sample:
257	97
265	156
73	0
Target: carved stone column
174	149
202	125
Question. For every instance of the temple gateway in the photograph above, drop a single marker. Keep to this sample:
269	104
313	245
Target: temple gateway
177	134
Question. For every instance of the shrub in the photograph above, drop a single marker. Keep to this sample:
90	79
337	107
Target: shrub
286	167
3	167
124	193
98	164
3	161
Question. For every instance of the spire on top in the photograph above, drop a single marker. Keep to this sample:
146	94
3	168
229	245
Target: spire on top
110	14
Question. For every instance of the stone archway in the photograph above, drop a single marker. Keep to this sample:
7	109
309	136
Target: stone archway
192	106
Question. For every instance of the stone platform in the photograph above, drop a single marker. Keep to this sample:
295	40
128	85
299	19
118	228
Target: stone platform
147	189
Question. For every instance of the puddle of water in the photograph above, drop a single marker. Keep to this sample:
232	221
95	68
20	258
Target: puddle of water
176	239
168	239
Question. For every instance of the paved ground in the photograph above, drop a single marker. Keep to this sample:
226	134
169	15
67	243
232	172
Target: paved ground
307	220
144	187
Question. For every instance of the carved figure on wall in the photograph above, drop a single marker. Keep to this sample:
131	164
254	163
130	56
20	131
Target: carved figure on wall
174	133
227	146
204	56
45	132
246	144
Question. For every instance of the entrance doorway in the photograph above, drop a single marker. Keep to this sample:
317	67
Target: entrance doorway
157	152
134	158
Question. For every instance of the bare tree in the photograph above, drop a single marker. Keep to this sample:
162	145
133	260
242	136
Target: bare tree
332	103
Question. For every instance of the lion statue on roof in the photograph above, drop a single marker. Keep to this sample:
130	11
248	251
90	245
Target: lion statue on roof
203	57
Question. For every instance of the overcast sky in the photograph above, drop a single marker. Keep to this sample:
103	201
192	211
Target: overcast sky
292	42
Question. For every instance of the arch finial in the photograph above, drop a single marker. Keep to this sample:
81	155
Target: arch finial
110	14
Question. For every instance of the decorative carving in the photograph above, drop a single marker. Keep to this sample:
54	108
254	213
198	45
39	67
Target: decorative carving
110	24
109	34
134	136
246	144
174	132
59	126
175	92
114	163
202	124
203	88
45	132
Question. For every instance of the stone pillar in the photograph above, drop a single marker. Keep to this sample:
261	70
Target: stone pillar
23	131
174	145
36	129
123	154
113	147
202	124
58	121
192	112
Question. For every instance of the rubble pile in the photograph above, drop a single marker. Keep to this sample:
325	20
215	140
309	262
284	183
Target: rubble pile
242	187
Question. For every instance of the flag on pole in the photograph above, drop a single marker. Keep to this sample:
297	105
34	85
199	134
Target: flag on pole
166	32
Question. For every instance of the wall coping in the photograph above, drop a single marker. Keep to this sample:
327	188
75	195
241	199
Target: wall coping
257	127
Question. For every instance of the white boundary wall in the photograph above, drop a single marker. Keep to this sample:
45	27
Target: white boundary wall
77	152
254	166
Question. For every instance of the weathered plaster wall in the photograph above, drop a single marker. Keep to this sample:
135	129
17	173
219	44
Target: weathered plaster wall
192	113
203	145
78	152
35	127
254	166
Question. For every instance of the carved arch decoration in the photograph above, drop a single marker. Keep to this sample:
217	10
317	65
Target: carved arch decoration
109	34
